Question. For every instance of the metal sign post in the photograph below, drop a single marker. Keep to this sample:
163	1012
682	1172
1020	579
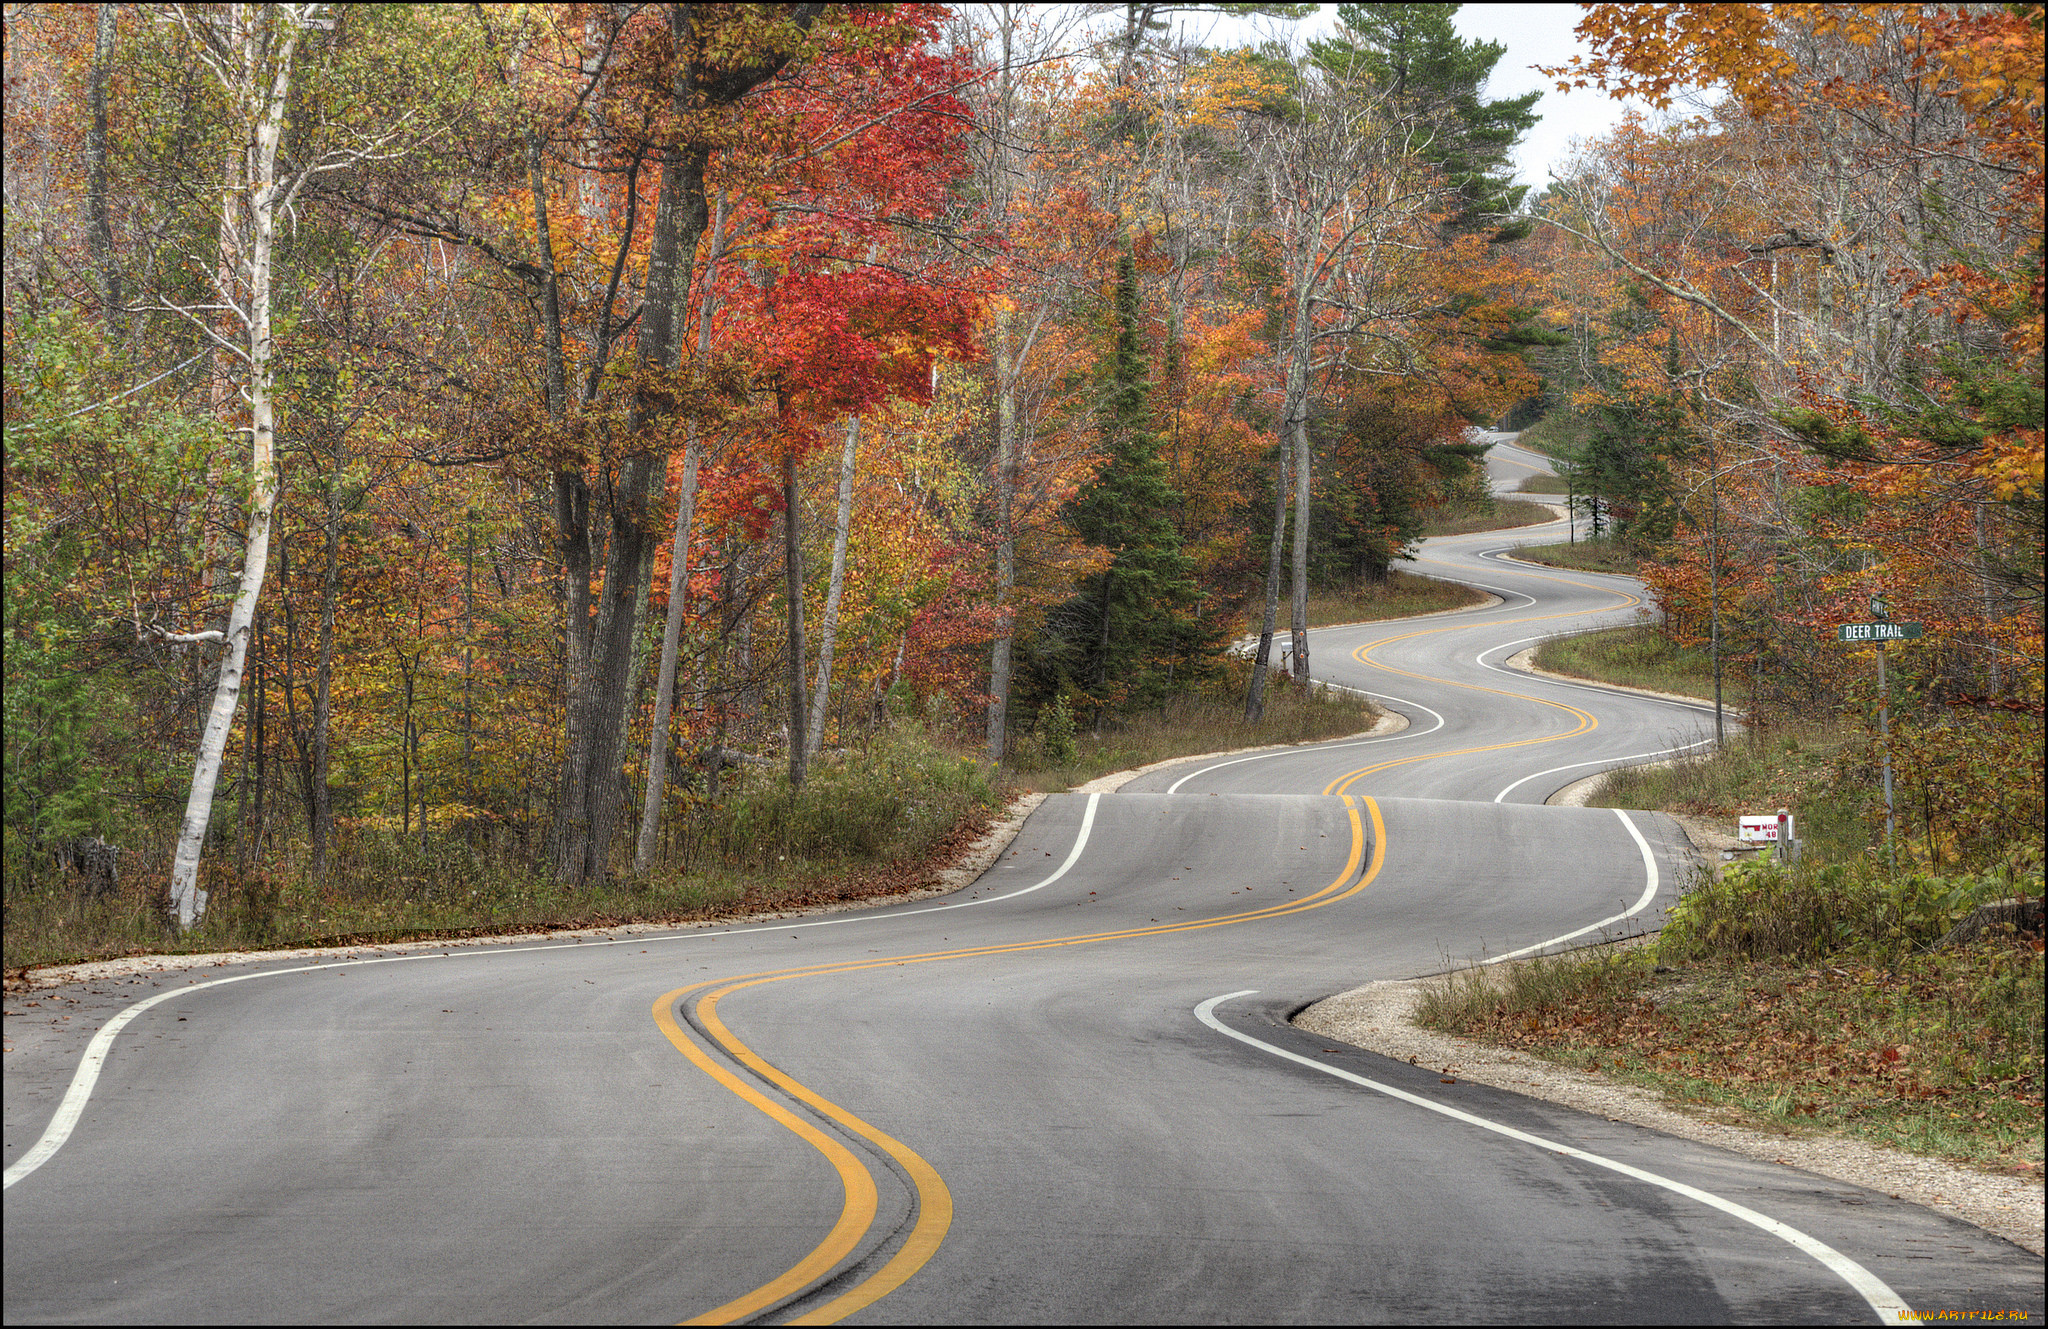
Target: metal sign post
1884	733
1881	632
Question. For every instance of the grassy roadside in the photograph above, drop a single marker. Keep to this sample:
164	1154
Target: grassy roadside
1804	1001
1543	484
1586	555
1809	999
875	822
1401	595
1504	515
1209	719
1639	656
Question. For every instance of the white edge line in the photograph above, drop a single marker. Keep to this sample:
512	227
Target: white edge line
1615	762
1452	573
1649	893
73	1105
1890	1307
1326	747
1704	707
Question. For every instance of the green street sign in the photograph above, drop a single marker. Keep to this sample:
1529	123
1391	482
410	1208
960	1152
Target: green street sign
1878	631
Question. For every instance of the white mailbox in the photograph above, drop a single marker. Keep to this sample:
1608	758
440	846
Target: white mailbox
1762	830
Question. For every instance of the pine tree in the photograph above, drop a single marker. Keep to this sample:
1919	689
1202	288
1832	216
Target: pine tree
1435	78
1132	628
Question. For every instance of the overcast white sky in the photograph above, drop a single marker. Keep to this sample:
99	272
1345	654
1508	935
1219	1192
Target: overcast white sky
1533	35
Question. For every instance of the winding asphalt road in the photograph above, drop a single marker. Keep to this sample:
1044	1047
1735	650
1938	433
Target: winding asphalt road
1067	1094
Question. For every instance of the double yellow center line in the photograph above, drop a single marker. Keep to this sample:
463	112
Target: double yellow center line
1586	722
934	1201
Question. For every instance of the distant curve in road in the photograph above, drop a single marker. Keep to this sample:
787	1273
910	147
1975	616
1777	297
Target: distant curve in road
1069	1093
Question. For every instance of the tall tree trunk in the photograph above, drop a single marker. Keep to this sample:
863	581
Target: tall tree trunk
1255	703
469	658
671	650
100	231
828	629
793	588
1006	368
678	591
1005	363
257	741
1297	422
572	541
323	677
681	217
267	48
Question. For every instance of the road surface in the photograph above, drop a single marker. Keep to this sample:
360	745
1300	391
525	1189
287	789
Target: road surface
1068	1094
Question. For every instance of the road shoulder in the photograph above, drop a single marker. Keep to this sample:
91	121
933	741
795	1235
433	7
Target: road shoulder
1379	1018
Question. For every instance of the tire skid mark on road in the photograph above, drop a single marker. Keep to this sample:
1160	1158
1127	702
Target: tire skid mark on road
72	1107
934	1201
856	1215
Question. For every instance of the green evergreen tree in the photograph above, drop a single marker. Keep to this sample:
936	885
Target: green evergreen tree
1132	629
1435	78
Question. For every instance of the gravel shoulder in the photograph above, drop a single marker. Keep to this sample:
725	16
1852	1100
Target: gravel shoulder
1379	1017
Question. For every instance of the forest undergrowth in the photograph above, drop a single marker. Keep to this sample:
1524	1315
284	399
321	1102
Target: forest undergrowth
878	819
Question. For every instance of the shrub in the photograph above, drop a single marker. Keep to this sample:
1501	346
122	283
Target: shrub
1764	910
894	802
1056	732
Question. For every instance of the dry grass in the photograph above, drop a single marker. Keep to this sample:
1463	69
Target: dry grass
1504	514
1191	724
1640	656
1939	1053
1401	595
1584	555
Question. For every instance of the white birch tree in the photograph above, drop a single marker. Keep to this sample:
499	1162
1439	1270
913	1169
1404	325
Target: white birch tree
250	51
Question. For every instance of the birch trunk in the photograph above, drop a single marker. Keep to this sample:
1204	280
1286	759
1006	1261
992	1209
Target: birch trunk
266	48
829	628
793	588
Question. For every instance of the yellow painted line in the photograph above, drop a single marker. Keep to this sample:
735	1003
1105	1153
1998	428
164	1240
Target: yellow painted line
1587	722
856	1216
934	1200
